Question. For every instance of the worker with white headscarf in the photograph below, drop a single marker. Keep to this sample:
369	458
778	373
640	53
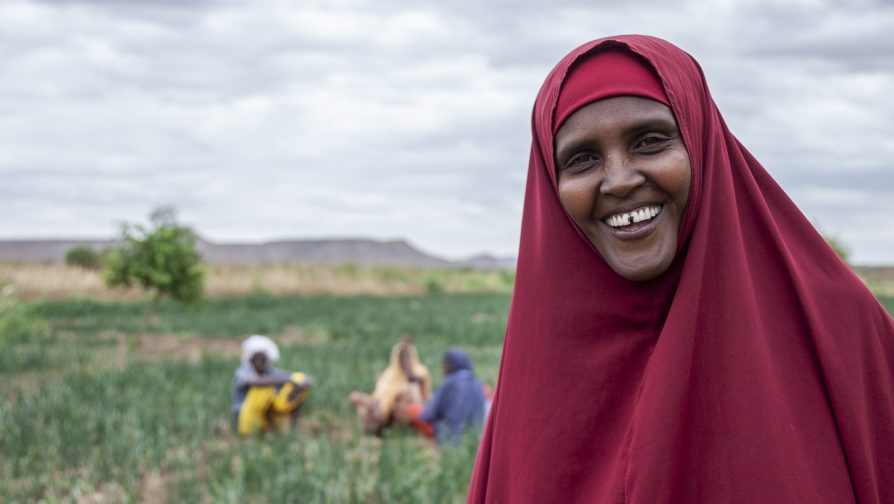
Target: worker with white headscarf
265	397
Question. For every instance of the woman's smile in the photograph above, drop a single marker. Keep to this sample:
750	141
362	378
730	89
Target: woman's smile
637	215
633	224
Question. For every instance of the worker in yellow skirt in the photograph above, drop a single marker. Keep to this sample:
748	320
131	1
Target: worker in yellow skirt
265	398
405	374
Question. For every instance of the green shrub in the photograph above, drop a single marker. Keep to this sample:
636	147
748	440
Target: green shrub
83	256
161	258
434	286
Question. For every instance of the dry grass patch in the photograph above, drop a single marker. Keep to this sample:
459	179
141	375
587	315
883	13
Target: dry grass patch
59	281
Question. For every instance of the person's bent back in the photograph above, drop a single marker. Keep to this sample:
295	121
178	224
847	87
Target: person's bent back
459	403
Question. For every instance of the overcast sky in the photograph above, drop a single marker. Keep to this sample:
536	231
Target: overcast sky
269	119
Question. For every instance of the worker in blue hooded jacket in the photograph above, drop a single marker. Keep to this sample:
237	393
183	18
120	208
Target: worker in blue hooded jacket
459	402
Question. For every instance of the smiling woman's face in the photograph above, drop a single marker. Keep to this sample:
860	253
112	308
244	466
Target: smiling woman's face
623	176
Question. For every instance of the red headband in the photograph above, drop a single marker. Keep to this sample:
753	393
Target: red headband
605	74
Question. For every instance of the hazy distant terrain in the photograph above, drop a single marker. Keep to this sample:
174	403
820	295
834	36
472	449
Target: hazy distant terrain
335	251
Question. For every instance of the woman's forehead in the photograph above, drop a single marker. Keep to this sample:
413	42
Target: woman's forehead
617	114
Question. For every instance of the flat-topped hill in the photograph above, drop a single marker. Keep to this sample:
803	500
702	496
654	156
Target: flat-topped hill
320	251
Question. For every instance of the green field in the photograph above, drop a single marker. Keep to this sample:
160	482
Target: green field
127	402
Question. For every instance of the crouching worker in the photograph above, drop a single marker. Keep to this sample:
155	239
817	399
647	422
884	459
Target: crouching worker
265	398
404	372
457	405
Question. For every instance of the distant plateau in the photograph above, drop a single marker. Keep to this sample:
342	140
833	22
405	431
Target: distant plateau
318	251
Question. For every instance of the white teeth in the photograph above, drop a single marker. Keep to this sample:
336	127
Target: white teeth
638	215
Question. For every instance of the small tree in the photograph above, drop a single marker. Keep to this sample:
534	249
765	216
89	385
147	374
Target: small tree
161	257
83	256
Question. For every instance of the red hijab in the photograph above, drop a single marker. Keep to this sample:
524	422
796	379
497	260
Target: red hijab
757	368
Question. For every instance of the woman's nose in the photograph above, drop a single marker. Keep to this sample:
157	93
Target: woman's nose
620	177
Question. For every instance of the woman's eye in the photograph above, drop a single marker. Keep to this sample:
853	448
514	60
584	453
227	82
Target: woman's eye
652	143
579	160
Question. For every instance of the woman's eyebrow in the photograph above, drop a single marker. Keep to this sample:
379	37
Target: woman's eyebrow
662	123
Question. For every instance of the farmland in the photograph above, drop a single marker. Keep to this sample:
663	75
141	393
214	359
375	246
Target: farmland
110	401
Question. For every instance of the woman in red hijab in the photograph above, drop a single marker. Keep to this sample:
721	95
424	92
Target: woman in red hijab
708	345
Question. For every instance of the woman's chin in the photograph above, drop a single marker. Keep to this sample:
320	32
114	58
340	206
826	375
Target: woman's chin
644	266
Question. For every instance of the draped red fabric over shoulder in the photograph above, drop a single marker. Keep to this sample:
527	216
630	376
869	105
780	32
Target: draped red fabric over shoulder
758	368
